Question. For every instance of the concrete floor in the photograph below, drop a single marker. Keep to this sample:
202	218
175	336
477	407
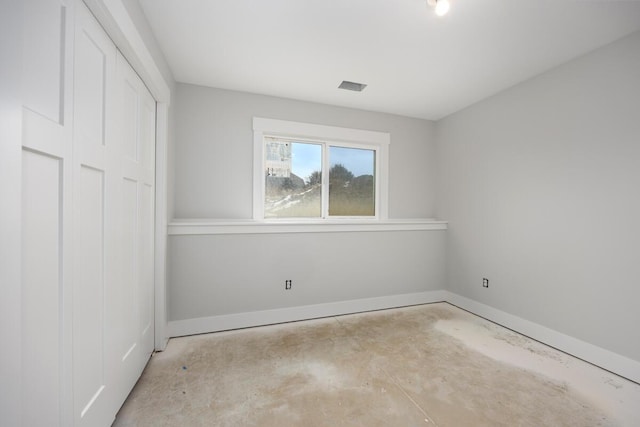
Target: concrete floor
429	365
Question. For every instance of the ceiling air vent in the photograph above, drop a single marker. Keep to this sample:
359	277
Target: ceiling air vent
358	87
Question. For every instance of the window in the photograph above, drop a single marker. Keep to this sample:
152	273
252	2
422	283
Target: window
305	171
296	184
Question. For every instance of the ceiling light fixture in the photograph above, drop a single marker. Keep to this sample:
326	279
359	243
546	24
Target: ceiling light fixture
441	6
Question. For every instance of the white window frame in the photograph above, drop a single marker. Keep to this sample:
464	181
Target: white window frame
331	135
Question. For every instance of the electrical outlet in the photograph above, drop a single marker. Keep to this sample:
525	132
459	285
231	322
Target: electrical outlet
485	283
287	284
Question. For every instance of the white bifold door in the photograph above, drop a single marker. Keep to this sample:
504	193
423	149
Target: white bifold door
88	220
114	140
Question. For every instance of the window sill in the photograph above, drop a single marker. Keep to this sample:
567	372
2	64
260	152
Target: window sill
181	227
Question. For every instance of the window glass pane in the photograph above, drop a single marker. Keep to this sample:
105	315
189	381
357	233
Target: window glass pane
351	182
293	179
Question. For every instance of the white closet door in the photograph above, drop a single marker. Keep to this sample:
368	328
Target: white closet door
88	154
135	131
96	223
146	224
114	146
46	212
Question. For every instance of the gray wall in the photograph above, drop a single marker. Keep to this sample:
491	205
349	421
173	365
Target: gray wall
214	151
222	274
540	185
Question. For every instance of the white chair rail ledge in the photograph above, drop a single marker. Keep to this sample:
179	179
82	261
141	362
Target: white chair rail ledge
219	226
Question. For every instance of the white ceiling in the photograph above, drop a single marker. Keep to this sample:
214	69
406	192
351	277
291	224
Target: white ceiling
414	63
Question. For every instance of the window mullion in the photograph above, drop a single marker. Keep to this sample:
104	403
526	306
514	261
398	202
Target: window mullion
376	182
325	181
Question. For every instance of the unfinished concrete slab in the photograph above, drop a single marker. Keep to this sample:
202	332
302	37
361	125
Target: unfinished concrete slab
428	365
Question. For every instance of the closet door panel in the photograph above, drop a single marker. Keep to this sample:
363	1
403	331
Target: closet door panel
130	105
146	289
89	292
129	297
128	133
41	288
146	228
137	137
46	212
95	225
94	55
44	36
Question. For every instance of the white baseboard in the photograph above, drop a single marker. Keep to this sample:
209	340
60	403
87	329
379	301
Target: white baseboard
291	314
605	359
598	356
